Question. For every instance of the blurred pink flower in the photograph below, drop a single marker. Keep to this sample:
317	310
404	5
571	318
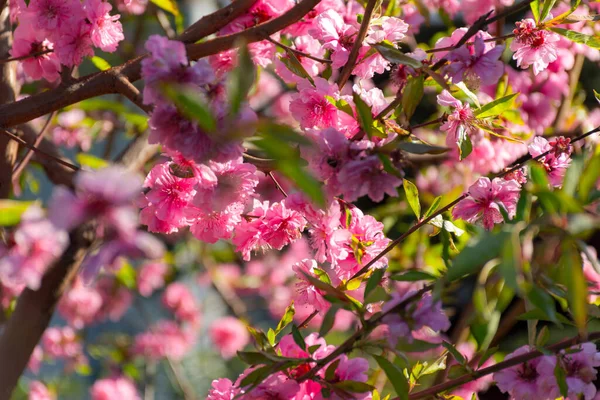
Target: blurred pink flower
230	335
151	276
39	391
121	388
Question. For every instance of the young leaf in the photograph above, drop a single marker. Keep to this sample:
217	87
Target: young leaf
167	5
548	4
374	280
412	95
422	148
11	211
476	254
589	178
561	379
433	207
298	338
354	386
395	376
592	41
455	353
295	66
542	337
413	276
496	107
288	317
412	196
240	80
254	358
465	147
543	301
365	116
535	9
190	104
393	55
100	63
571	266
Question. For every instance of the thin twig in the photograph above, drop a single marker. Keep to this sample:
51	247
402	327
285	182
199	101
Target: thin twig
300	53
26	56
447	207
27	157
511	362
277	184
38	151
360	37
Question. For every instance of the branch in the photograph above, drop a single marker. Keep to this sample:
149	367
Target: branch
360	37
511	362
105	82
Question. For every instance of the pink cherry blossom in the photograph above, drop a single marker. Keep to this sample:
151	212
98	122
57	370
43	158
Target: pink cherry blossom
485	199
35	244
165	339
114	388
80	305
460	122
62	343
557	161
35	361
306	293
230	335
116	299
475	65
335	34
150	277
222	389
52	15
106	32
74	44
39	391
71	131
180	300
45	66
136	7
521	381
533	46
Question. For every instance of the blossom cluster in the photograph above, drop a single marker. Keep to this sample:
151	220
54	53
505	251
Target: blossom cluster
57	33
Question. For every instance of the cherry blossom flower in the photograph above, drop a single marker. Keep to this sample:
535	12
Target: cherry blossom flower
26	42
106	32
222	389
306	293
74	44
533	46
80	305
165	339
230	335
521	381
178	299
557	161
150	277
475	65
39	391
35	244
114	388
336	36
460	123
52	15
485	199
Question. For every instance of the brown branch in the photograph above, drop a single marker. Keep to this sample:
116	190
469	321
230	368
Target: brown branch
360	37
8	92
127	89
511	362
298	52
105	82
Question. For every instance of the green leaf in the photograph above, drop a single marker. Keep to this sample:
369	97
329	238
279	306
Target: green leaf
191	105
589	40
597	96
589	178
537	314
470	95
376	295
439	222
240	80
395	376
571	266
100	63
295	66
438	365
412	95
288	317
257	376
412	196
413	276
422	148
271	336
11	211
544	302
455	353
353	284
393	55
374	280
477	253
298	338
254	358
365	115
341	105
496	107
91	161
548	4
465	146
539	176
561	379
127	276
354	386
330	371
259	336
486	356
167	5
433	207
543	337
535	9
